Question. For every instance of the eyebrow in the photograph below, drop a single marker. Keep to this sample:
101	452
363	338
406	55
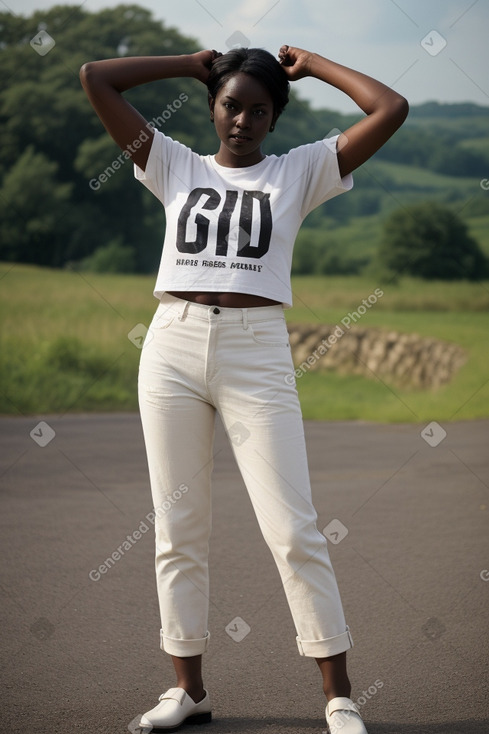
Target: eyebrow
256	104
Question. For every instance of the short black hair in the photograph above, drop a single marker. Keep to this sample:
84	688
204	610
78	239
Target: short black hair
257	63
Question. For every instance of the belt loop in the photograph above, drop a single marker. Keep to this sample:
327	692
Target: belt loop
184	311
245	318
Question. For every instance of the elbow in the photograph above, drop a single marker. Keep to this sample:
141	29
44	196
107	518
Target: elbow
400	108
86	74
395	110
84	71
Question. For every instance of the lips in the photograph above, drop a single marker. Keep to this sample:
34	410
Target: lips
238	136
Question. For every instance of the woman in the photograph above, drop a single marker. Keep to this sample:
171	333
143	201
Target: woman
218	340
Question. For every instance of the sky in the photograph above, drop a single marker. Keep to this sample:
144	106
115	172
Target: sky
425	49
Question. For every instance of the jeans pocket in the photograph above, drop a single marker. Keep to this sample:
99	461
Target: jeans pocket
163	317
272	333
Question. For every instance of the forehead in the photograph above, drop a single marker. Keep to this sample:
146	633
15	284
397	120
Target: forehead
246	89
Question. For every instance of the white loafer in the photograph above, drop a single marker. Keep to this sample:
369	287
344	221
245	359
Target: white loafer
343	716
175	708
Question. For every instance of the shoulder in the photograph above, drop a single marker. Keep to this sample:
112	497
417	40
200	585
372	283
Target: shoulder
324	147
319	152
164	144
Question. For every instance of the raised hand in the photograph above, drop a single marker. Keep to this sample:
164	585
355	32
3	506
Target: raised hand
386	110
203	62
295	61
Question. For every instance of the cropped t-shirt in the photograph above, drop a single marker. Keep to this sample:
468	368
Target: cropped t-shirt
233	229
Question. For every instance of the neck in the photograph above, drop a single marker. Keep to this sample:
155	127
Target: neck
224	157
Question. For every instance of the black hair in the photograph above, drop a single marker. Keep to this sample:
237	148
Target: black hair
257	63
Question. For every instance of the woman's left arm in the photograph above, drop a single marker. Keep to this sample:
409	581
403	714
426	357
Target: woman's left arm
386	110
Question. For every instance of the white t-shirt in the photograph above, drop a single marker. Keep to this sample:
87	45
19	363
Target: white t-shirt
233	229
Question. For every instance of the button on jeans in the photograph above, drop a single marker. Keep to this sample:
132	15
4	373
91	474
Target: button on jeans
197	360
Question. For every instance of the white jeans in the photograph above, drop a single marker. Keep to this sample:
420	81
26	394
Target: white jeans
201	359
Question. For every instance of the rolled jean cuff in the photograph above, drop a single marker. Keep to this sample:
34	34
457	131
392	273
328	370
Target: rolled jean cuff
325	648
183	648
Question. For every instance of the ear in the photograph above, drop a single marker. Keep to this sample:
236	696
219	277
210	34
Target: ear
274	120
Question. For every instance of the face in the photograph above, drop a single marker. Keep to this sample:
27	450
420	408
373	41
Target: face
243	114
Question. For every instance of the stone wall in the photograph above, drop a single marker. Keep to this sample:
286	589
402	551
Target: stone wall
405	360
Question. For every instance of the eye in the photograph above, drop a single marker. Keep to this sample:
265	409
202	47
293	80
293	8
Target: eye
228	105
259	113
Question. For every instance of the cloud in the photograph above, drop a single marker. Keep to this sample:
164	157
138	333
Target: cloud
263	17
351	19
249	11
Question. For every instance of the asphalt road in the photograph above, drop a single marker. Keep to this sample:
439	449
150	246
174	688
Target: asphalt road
80	649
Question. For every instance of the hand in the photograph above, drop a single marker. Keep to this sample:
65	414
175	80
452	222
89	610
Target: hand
295	61
203	62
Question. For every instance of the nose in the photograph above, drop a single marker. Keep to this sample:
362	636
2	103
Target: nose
243	120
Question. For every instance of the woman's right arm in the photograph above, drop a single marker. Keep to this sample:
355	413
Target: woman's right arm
104	82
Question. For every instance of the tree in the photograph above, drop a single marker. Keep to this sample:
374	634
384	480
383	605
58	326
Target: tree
53	148
32	195
430	241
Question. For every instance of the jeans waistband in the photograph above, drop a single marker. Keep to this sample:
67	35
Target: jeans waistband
225	313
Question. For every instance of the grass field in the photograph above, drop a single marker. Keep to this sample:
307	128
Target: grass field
64	344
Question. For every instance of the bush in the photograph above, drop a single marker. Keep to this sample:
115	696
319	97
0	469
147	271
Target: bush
431	242
68	354
317	254
111	258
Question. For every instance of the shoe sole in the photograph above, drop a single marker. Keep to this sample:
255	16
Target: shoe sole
203	718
